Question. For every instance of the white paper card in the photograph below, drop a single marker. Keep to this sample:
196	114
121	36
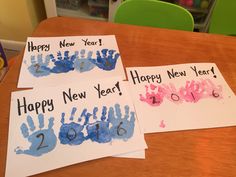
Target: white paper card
53	61
58	126
181	97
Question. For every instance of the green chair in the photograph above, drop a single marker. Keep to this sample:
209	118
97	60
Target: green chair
223	18
155	14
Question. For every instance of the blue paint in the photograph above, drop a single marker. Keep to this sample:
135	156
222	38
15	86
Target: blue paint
99	131
63	64
39	68
71	133
83	64
24	130
107	61
41	121
95	110
122	128
30	123
42	141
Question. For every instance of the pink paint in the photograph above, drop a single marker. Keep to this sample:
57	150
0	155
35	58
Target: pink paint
192	92
153	98
171	93
162	124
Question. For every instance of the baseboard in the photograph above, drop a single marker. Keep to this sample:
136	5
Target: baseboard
12	45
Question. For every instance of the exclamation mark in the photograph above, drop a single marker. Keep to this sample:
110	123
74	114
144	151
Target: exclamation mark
118	87
100	41
212	70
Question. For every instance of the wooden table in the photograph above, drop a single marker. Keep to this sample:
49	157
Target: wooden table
195	153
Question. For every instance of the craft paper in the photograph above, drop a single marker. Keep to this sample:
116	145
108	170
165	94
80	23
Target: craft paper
58	126
181	97
53	61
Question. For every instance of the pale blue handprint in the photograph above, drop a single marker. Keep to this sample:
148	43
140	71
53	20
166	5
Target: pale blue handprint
83	64
42	141
99	131
39	68
106	61
71	133
122	127
63	64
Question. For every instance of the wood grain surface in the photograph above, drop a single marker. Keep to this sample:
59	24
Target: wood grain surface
192	153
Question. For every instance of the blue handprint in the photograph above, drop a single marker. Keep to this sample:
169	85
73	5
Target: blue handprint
42	141
107	61
63	65
99	131
39	68
71	133
121	128
83	64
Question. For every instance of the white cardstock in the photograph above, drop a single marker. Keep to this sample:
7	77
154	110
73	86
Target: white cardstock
52	127
53	61
181	97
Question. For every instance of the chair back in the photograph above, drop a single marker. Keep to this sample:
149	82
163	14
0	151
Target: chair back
223	18
154	13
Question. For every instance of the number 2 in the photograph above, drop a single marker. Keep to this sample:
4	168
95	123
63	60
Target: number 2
41	145
37	66
154	100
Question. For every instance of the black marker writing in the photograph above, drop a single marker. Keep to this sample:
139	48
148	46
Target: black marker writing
66	44
148	78
24	107
39	48
174	74
106	91
73	96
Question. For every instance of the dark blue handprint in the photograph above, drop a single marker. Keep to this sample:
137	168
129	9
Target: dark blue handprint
107	61
63	64
121	128
83	64
39	68
42	141
99	131
71	133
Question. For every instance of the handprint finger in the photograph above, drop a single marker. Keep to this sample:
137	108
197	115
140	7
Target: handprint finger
47	60
116	56
30	123
126	112
41	121
24	130
104	112
63	118
73	113
32	58
66	55
118	111
95	110
40	59
59	56
82	52
51	122
90	53
104	52
111	115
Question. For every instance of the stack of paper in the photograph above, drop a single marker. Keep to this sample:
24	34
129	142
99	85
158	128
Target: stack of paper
80	109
